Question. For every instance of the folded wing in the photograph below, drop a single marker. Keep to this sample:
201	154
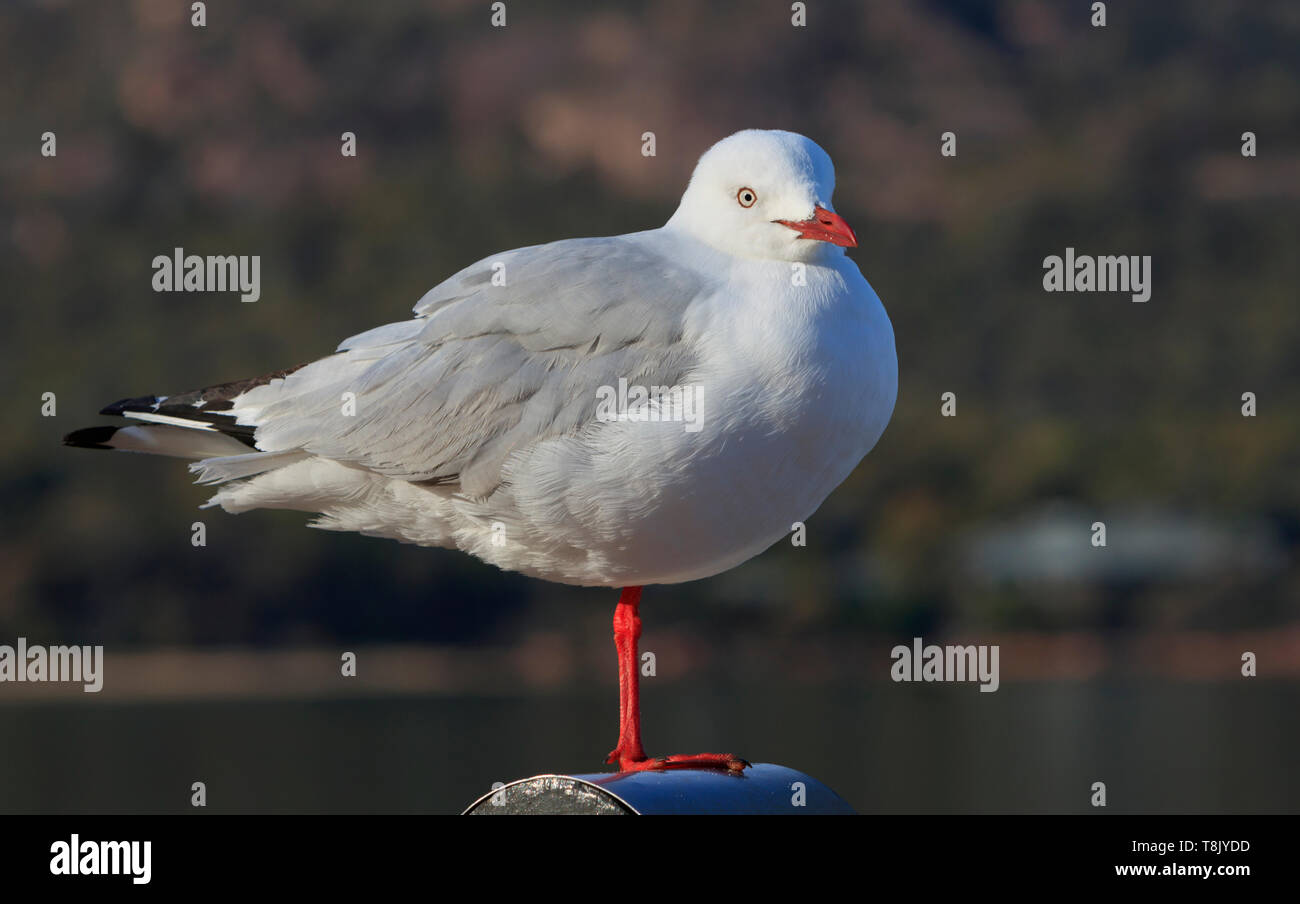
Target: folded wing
507	352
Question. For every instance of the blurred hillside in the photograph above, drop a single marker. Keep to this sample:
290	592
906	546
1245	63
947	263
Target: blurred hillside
472	139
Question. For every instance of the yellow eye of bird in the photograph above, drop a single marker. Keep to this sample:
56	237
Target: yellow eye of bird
746	197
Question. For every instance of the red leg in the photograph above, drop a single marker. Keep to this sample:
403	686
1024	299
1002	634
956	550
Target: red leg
629	754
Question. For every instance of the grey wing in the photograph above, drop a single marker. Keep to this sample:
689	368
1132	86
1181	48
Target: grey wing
507	352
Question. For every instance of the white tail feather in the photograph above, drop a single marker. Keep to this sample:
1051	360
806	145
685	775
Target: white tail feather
178	442
235	467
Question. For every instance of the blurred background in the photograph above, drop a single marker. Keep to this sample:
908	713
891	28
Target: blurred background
1120	664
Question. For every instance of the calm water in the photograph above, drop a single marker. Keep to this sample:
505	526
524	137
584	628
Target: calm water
1160	747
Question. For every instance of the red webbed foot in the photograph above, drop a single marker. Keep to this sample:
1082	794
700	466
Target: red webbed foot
724	761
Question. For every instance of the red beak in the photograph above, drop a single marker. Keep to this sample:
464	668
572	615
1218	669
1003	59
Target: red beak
824	226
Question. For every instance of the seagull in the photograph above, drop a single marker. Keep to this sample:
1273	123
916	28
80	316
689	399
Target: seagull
649	408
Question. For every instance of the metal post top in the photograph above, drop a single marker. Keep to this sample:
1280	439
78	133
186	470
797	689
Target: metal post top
764	788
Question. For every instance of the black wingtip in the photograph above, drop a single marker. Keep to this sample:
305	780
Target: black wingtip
90	437
141	403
